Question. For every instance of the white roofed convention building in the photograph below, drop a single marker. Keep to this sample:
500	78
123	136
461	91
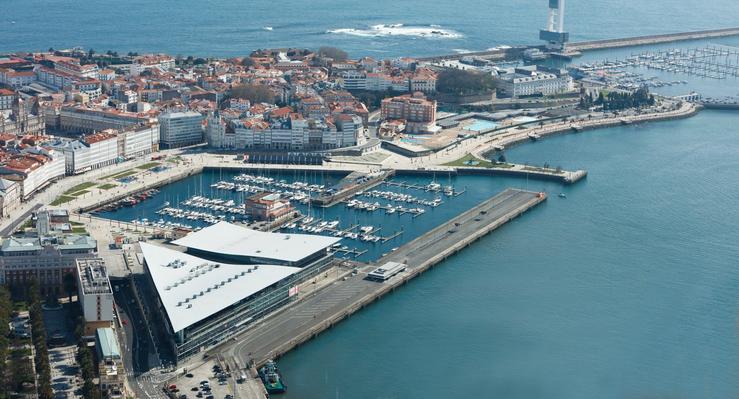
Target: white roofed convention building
228	277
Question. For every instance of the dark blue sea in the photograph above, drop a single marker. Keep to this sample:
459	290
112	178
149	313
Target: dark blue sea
628	288
383	28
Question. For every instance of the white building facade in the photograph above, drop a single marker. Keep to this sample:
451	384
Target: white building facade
180	129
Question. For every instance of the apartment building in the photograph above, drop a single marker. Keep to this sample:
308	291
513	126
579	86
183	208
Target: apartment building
88	120
90	152
34	170
418	112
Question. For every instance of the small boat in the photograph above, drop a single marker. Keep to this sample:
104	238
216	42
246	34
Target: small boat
562	195
271	378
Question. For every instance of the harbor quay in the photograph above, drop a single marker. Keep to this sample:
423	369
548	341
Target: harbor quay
322	309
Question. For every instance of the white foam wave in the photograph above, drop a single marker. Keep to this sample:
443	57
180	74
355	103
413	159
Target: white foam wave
384	30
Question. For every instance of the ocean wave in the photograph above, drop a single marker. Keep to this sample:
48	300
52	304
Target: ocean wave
384	30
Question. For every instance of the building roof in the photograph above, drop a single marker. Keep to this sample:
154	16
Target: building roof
21	244
192	289
93	276
108	343
235	241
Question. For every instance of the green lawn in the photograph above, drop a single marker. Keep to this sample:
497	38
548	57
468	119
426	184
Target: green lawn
62	199
469	158
79	187
118	175
108	186
79	230
148	166
80	193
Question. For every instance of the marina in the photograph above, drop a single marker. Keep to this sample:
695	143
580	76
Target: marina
369	221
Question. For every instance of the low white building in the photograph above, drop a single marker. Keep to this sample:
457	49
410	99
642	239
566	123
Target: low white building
532	81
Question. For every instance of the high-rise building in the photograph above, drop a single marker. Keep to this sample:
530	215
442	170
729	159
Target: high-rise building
95	293
180	129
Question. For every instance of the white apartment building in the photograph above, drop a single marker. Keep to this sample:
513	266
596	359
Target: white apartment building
353	80
89	71
54	77
180	129
16	79
91	152
94	292
297	134
351	126
34	170
138	141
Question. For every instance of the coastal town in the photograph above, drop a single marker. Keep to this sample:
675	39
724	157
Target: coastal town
112	289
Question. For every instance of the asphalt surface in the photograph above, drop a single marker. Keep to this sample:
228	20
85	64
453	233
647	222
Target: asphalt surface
8	230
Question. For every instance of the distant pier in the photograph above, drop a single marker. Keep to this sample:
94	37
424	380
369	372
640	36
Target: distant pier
652	39
578	47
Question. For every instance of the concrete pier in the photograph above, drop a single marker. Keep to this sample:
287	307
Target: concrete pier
652	39
352	186
323	308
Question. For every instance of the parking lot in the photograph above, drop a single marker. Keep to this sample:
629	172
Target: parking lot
208	381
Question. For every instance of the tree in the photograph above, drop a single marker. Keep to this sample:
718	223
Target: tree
334	53
247	62
90	53
253	93
70	284
501	158
460	82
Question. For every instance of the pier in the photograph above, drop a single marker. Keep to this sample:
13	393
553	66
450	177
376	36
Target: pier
324	308
652	39
351	185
